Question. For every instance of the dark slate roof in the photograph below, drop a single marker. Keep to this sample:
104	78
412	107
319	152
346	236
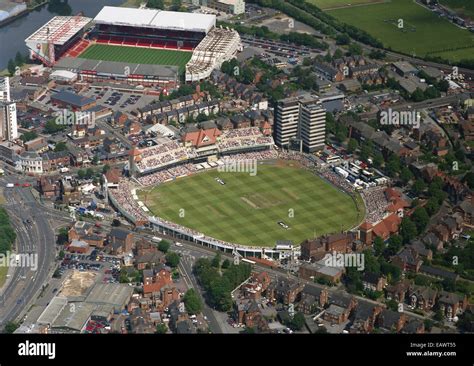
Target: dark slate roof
119	233
340	299
388	318
370	277
364	310
438	272
72	98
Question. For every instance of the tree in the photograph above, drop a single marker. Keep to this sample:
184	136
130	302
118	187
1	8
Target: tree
164	246
392	305
172	259
355	49
89	173
225	264
176	5
60	146
61	254
379	246
408	230
298	321
11	67
51	127
192	302
395	244
116	222
406	175
418	95
352	145
81	174
378	160
469	179
161	328
10	327
123	278
391	271
95	159
62	236
105	168
393	165
342	39
156	4
28	136
57	274
216	261
421	218
432	206
428	324
19	59
337	53
419	186
439	316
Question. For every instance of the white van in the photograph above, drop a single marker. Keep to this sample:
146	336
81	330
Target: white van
178	244
156	239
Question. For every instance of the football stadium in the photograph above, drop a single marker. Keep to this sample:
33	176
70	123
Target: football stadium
201	187
144	46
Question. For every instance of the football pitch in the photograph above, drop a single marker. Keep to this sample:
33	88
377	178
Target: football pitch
423	32
137	55
247	209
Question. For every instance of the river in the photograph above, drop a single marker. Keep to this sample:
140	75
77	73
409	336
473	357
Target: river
12	35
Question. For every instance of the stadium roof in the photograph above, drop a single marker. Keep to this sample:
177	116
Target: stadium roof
116	68
152	18
59	29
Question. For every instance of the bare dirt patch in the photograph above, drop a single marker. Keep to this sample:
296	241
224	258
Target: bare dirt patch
78	283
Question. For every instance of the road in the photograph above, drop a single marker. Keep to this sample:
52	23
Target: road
185	266
35	238
109	129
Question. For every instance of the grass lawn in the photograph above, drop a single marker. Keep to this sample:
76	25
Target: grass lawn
247	209
330	4
462	7
423	32
3	275
137	55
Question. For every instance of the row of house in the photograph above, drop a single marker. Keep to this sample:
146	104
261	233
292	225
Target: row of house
247	93
83	235
335	307
427	298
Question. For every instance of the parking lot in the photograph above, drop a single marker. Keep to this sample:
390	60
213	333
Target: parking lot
119	100
108	266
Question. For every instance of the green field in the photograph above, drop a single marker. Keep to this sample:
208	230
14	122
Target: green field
462	7
329	4
247	209
3	275
137	55
423	32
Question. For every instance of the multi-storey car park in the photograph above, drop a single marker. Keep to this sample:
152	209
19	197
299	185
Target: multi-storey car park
139	46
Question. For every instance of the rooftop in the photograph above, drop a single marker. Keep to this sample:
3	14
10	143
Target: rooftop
59	29
152	18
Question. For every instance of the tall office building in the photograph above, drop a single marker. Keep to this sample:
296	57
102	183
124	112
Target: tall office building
312	125
287	114
8	121
303	119
4	88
